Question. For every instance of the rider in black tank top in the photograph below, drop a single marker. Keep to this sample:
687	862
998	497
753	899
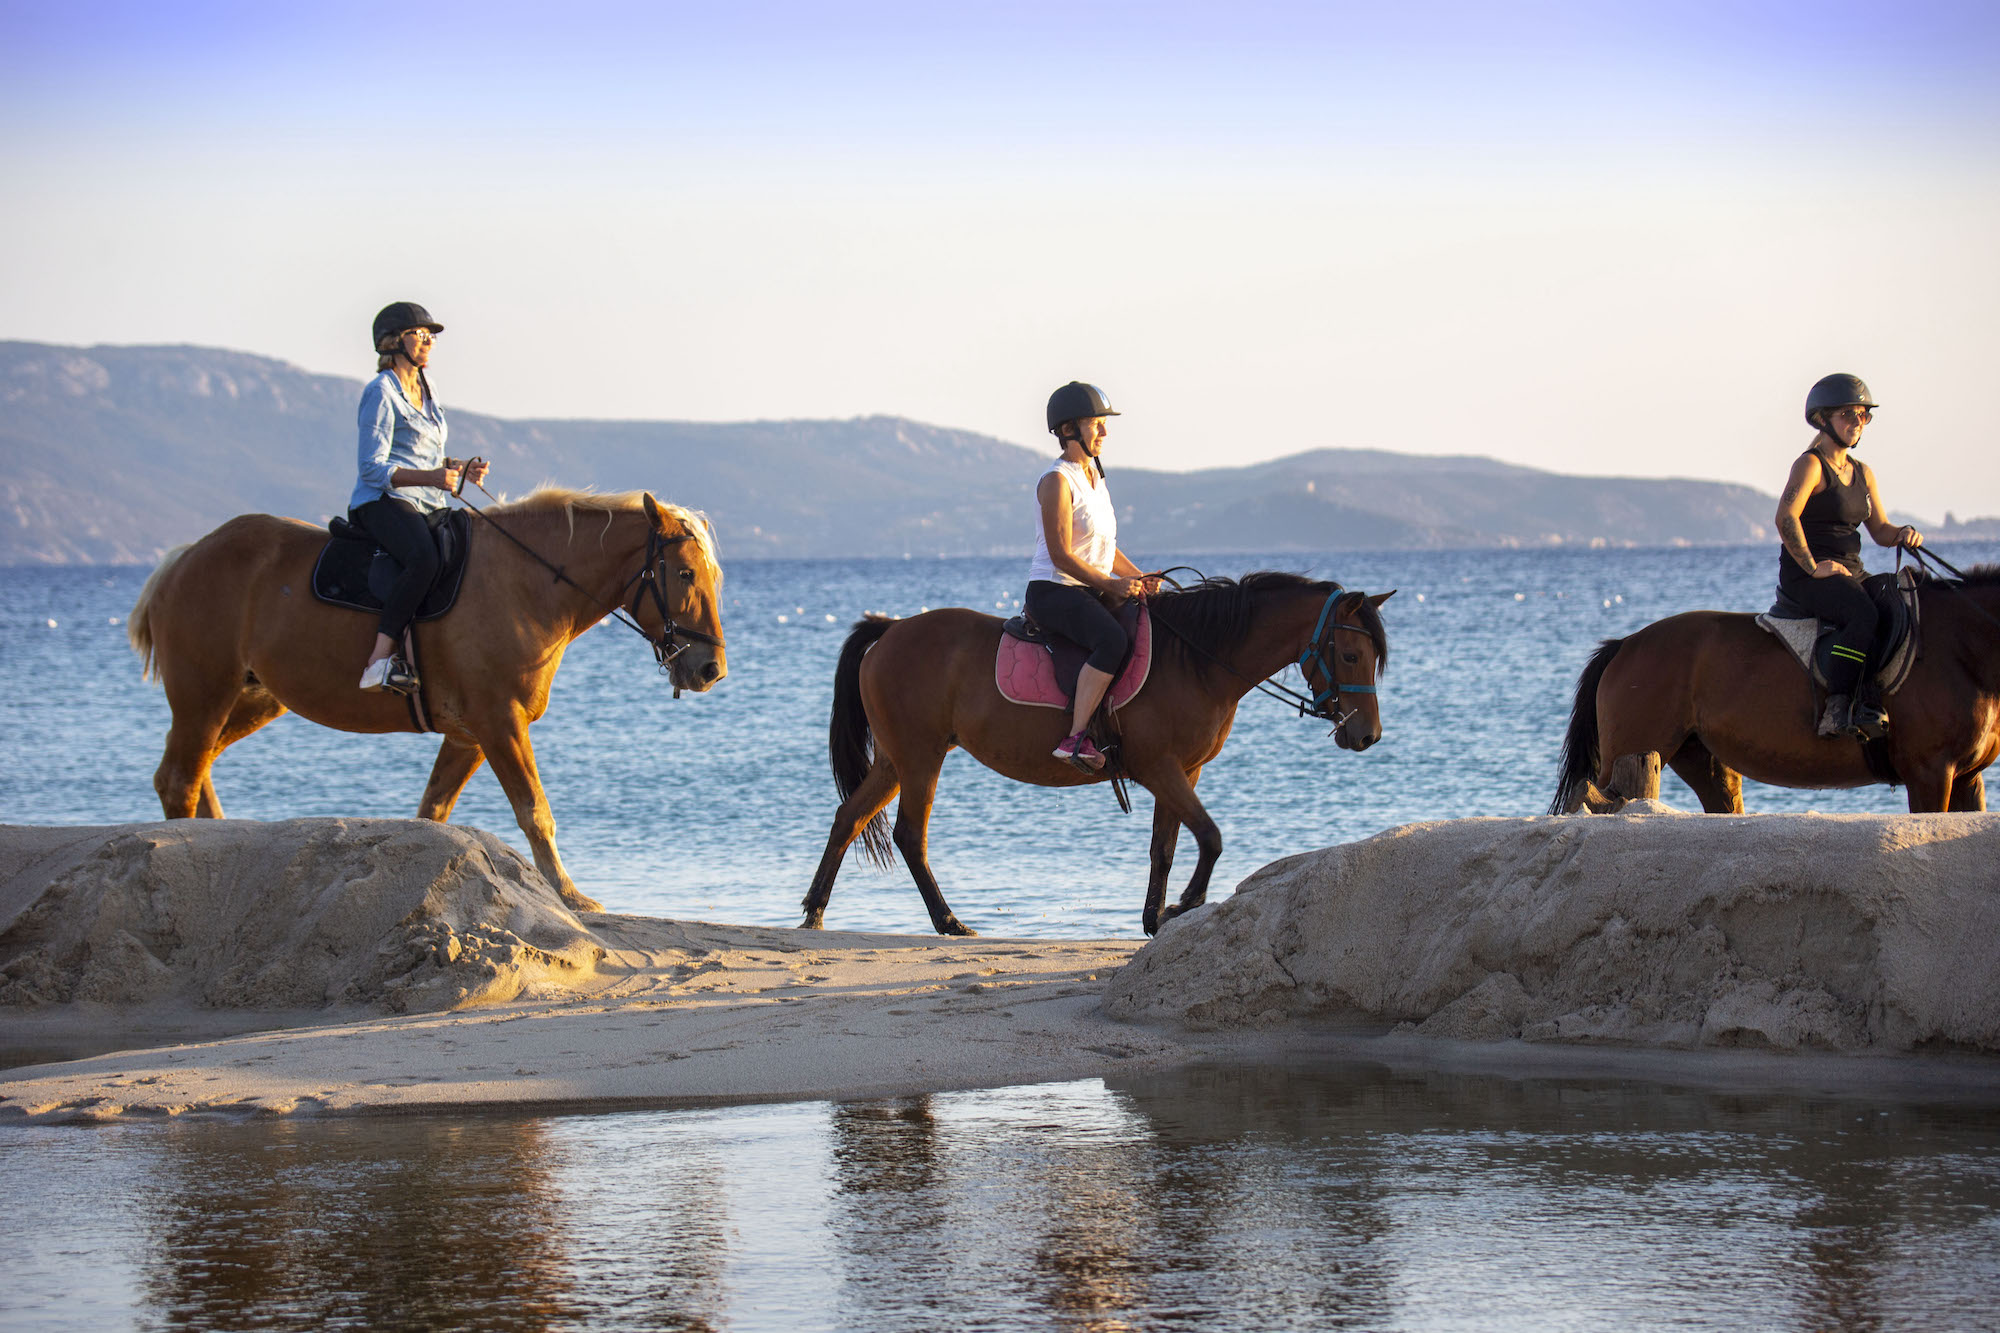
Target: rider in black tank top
1827	500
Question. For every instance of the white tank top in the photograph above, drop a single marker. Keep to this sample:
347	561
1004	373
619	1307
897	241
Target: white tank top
1093	525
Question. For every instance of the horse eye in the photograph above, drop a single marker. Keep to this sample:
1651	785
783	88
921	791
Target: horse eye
687	577
1349	658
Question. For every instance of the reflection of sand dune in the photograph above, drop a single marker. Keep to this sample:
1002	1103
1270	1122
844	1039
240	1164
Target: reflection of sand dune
1790	932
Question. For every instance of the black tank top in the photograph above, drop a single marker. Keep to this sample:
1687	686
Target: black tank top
1831	521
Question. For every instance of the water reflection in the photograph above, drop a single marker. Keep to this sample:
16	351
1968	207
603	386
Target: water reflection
1334	1197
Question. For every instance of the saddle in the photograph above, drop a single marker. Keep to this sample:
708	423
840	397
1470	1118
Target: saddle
1810	640
1040	669
354	572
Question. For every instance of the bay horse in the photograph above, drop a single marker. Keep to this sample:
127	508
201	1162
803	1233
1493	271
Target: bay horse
919	687
231	627
1719	699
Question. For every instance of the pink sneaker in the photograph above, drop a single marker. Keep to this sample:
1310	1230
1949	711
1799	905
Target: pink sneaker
1078	751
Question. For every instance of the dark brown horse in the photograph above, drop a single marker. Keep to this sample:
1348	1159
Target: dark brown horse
920	687
230	625
1719	699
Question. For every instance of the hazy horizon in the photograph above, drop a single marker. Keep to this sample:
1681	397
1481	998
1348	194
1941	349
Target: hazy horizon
1597	242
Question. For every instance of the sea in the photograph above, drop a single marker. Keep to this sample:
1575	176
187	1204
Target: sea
1335	1196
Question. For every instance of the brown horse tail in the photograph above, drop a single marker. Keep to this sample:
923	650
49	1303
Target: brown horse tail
1579	755
847	732
139	625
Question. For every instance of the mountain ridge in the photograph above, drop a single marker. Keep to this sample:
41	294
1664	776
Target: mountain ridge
111	454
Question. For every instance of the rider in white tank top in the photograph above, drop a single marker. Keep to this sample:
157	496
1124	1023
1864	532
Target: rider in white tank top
1093	525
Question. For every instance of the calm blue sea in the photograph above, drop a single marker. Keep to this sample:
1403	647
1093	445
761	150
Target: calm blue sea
716	807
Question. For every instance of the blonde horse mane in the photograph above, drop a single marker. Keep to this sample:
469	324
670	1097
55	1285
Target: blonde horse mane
569	501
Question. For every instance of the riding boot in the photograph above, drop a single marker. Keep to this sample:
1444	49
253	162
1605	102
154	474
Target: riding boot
1838	719
1869	717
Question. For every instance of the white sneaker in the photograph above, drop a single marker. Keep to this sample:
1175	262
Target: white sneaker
376	677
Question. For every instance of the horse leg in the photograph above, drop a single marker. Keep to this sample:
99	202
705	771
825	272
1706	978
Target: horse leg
1166	833
1931	787
1174	794
1166	837
253	709
1718	786
457	761
1968	792
513	760
877	789
912	836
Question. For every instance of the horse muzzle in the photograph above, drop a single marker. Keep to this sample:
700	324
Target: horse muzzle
699	669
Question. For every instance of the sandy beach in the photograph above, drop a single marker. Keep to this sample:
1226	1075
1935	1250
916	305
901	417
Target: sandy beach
390	966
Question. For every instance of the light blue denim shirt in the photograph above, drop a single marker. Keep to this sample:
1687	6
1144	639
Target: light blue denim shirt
396	434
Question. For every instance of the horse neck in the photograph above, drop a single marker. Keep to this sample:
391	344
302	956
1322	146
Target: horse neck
1979	636
596	557
1280	625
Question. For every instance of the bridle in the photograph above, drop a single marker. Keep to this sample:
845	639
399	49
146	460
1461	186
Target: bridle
652	572
1322	704
1325	704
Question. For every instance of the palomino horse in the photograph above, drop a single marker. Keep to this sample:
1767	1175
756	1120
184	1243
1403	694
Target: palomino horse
926	685
1720	699
232	628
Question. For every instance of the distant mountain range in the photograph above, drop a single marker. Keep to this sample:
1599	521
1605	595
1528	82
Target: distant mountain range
113	454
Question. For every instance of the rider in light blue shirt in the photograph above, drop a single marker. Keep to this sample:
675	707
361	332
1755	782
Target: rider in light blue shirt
396	433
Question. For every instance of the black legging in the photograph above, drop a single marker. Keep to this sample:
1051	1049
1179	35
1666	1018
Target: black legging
401	529
1075	613
1845	603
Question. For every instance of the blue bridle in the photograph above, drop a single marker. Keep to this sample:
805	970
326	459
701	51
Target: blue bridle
1314	654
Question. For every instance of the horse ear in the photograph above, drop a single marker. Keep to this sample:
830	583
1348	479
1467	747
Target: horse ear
1380	598
653	514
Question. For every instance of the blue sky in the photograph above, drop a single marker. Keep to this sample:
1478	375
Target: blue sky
1617	239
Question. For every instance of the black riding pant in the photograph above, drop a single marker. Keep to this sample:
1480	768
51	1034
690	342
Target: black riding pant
404	531
1843	602
1076	614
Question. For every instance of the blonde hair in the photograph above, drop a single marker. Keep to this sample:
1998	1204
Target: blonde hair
387	348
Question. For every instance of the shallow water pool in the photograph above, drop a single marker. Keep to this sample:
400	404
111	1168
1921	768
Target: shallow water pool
1339	1196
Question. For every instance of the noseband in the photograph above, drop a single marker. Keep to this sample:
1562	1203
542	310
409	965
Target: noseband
1325	704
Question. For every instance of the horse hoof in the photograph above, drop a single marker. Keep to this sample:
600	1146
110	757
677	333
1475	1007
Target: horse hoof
578	902
813	921
953	926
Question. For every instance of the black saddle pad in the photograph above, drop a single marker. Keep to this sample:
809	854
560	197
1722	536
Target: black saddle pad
1890	630
352	571
1070	656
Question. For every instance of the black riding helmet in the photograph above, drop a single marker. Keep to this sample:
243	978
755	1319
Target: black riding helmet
398	316
1837	391
1074	401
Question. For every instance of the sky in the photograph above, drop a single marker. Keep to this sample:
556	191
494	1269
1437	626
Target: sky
1617	239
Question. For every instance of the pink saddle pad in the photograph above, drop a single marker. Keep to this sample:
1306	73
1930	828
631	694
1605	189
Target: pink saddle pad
1026	672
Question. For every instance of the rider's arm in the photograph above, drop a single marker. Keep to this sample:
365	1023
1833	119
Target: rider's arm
1053	493
1880	528
1791	505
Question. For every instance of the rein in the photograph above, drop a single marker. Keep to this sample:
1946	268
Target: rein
1314	653
1925	558
651	572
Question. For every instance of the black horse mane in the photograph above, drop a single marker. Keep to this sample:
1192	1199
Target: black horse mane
1214	615
1979	576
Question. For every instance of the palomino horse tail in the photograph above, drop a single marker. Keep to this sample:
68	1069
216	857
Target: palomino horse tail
847	733
139	625
1579	754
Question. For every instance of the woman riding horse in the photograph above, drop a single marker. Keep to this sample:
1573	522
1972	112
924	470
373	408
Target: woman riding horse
405	478
1077	560
1826	499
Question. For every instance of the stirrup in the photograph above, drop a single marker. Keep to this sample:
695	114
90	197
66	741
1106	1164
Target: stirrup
1869	718
401	676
